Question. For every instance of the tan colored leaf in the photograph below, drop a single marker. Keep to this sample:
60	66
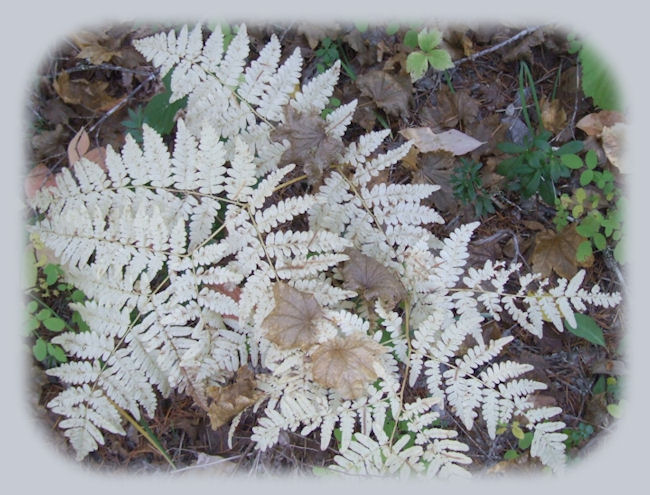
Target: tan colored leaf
311	147
232	399
38	177
553	115
292	323
91	95
346	364
452	108
556	251
593	123
390	93
452	141
78	146
364	273
613	139
97	48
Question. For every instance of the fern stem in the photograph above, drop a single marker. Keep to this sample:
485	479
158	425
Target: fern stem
407	368
289	182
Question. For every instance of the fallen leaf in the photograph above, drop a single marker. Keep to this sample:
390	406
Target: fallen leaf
593	124
556	251
346	364
553	115
361	272
436	168
453	141
522	49
390	93
232	399
613	139
46	144
452	108
292	323
311	147
38	177
91	95
78	146
99	47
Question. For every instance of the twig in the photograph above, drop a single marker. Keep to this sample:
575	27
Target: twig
498	46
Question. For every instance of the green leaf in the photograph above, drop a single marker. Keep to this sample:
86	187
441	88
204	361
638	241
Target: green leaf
591	159
31	306
571	147
31	271
525	442
43	314
54	324
57	353
598	81
599	386
391	29
584	251
52	273
362	27
511	148
615	410
572	161
599	241
586	177
440	60
411	38
77	296
32	324
416	64
587	329
40	349
517	431
510	455
618	253
429	40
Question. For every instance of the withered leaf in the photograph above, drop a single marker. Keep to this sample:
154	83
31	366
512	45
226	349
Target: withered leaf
364	273
311	147
38	177
522	49
292	323
97	48
436	168
594	123
232	399
78	149
452	108
553	115
91	95
556	251
45	144
453	141
613	139
345	364
390	93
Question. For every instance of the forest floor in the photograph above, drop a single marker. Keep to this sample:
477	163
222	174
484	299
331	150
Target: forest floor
98	82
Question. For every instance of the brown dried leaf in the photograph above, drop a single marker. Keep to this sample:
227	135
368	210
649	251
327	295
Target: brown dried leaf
453	141
372	278
78	146
232	399
98	47
38	177
436	168
292	323
522	49
91	95
613	139
594	123
452	108
346	364
46	144
556	251
390	93
553	115
311	147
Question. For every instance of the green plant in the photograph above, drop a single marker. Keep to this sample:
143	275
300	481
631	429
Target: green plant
610	389
328	52
42	321
577	436
596	207
596	78
158	114
418	61
468	187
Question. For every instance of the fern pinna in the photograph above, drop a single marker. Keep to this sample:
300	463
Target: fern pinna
320	310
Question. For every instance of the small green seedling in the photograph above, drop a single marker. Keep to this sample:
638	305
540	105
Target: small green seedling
468	187
418	61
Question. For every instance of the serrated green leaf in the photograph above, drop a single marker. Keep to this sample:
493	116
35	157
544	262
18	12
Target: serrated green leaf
429	40
597	80
587	329
40	349
54	324
416	64
572	161
586	177
440	60
411	38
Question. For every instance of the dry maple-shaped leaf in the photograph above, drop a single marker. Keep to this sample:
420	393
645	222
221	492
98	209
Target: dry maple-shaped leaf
452	108
453	141
553	115
311	147
230	400
95	47
556	251
361	272
593	124
91	95
390	93
436	168
292	323
346	364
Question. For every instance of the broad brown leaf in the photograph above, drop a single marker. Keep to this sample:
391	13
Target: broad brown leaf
232	399
452	108
594	123
91	95
390	93
556	251
311	147
372	278
613	139
292	323
553	115
452	141
78	149
345	364
436	168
